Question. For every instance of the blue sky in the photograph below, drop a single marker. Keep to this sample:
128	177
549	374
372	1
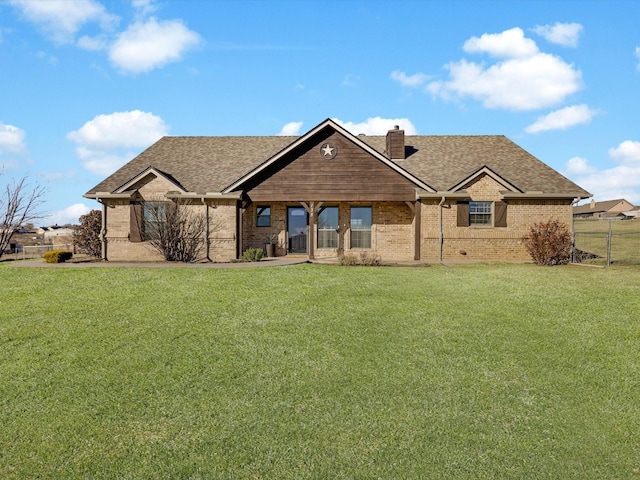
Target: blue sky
88	84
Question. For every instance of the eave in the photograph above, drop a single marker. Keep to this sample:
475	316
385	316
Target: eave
543	195
111	196
173	195
461	194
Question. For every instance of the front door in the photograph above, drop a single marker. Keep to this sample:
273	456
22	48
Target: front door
297	226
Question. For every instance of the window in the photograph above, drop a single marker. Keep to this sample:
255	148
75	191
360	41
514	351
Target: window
155	217
480	214
328	227
360	227
263	218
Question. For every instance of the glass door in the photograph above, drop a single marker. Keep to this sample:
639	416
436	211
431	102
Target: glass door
297	226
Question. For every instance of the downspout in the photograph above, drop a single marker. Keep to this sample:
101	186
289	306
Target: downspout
103	231
440	231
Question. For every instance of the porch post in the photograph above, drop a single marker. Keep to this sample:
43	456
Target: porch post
312	231
311	210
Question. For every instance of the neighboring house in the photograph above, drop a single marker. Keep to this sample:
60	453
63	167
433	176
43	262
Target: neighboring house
58	235
632	214
329	192
605	209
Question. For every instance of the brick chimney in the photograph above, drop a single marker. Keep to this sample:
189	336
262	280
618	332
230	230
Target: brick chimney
395	143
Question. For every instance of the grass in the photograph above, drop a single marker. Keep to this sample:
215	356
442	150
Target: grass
480	371
591	236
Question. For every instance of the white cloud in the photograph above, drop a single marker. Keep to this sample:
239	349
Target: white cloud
620	181
519	84
151	44
562	119
145	7
525	80
508	44
69	215
62	19
378	126
627	152
96	43
579	166
638	55
565	34
405	80
107	142
291	128
11	139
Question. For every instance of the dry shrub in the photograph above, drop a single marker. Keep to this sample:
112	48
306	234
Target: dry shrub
369	259
549	243
253	254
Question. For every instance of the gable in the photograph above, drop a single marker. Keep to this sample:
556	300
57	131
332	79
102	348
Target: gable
484	175
150	179
329	166
485	188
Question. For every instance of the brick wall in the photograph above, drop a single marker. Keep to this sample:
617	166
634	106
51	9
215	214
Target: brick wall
222	227
486	243
391	234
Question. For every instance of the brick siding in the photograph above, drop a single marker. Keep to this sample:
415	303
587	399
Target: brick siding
392	232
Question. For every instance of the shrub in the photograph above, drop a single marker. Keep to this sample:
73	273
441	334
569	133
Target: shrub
368	259
57	256
253	254
87	237
549	243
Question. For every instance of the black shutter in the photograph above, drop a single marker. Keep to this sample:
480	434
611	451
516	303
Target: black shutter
463	214
136	226
500	209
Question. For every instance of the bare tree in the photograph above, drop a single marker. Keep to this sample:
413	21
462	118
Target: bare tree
87	236
19	205
175	230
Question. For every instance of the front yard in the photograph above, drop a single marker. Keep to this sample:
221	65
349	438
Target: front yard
309	371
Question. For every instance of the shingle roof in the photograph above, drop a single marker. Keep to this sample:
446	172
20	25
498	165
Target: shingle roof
597	207
209	164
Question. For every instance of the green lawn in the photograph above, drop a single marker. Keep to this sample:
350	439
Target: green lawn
325	372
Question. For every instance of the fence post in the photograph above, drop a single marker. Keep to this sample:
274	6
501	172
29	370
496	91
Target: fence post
609	235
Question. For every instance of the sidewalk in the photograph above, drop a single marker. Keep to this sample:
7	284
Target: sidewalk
265	262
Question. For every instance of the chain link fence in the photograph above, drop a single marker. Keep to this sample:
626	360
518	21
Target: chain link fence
606	242
34	251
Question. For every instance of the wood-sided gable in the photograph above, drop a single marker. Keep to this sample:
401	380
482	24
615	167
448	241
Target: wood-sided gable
304	171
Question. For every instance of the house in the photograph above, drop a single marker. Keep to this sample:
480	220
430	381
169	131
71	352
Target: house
329	192
605	209
634	213
56	235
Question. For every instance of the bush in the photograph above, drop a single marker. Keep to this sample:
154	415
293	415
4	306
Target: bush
87	237
253	254
549	243
368	259
57	256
